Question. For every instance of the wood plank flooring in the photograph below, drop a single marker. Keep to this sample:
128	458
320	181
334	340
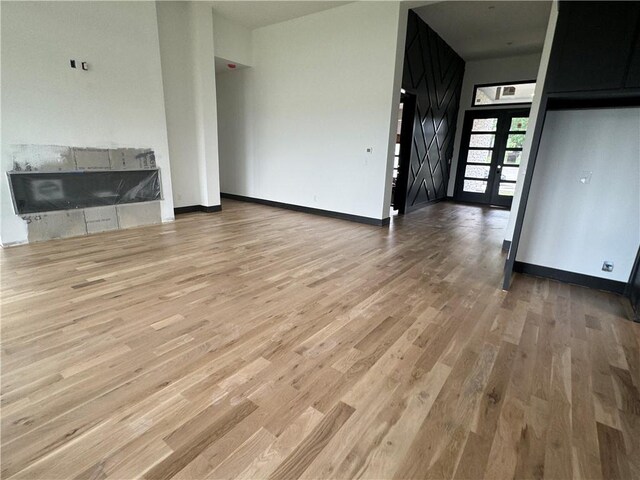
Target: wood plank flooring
260	343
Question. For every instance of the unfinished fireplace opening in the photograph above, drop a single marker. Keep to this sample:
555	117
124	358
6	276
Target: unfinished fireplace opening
63	191
37	192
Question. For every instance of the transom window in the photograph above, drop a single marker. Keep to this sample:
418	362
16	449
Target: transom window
503	94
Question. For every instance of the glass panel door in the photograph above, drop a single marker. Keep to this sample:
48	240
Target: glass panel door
490	156
508	165
480	142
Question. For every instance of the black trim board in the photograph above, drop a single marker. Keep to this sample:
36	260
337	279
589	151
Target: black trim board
571	277
629	98
197	208
313	211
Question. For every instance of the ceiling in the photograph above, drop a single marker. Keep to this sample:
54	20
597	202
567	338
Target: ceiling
489	29
255	14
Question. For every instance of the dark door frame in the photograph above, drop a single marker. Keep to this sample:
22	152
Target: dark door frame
632	290
406	139
499	149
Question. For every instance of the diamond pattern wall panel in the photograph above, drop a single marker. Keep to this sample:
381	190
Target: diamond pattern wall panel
433	72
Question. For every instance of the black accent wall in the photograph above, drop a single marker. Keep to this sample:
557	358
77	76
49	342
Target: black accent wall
595	47
433	72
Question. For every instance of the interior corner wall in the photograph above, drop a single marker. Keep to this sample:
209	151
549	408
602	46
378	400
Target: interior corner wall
574	226
206	106
118	102
235	132
188	71
232	41
495	70
295	127
179	97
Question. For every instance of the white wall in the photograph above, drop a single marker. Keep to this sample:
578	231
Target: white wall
179	96
232	41
495	70
235	134
117	103
401	36
573	226
188	68
206	108
294	128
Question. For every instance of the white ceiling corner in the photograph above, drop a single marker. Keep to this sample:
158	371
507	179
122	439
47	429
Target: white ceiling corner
260	13
489	29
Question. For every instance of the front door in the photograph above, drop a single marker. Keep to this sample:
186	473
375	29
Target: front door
490	156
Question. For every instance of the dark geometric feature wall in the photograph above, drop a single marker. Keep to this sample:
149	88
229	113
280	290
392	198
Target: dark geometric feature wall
433	72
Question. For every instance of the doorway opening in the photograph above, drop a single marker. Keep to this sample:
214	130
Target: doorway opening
402	154
490	156
396	160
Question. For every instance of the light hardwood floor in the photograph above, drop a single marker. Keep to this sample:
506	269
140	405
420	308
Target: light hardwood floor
263	343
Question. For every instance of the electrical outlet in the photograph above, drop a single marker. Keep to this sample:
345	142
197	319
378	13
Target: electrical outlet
607	266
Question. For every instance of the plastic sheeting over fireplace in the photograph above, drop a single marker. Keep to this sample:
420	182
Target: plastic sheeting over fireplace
35	192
